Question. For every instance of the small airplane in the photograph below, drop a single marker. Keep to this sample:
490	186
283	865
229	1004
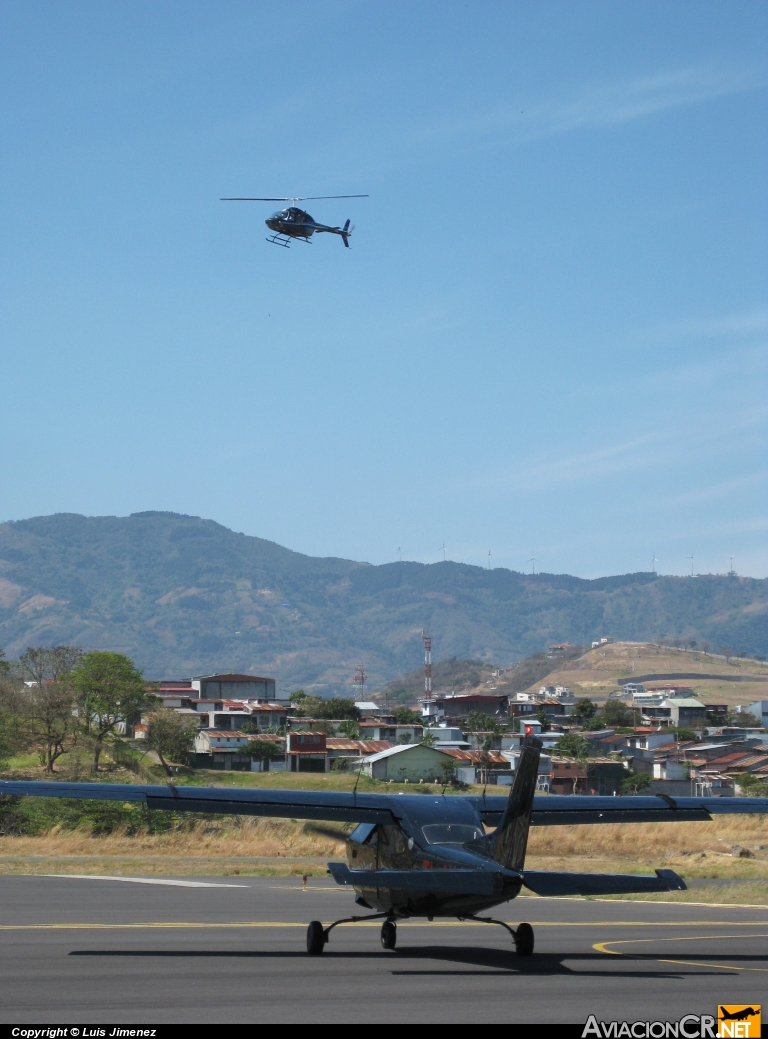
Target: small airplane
427	855
738	1015
296	223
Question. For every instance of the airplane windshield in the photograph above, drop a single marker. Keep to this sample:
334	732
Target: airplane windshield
451	833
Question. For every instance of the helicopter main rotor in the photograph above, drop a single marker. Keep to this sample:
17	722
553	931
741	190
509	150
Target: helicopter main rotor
296	198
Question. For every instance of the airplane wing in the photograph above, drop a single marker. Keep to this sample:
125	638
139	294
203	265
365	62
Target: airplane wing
548	884
439	881
557	810
384	808
285	804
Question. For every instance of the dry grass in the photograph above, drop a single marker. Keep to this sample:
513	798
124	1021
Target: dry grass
695	850
232	845
271	846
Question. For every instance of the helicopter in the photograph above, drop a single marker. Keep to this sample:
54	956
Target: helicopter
422	855
297	223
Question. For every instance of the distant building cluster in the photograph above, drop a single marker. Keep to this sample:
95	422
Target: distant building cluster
242	725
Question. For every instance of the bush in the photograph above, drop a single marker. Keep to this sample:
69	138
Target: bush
33	816
635	782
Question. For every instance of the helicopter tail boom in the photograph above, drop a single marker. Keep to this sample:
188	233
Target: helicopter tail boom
345	234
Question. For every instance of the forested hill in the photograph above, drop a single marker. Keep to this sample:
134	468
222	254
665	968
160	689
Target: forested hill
184	596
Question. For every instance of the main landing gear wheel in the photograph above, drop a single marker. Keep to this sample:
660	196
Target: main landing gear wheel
523	940
388	935
316	938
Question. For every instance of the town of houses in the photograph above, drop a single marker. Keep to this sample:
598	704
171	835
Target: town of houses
243	725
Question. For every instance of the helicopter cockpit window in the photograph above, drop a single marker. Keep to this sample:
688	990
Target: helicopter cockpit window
451	833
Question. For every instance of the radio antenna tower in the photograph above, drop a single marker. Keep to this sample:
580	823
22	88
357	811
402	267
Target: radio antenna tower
359	679
427	639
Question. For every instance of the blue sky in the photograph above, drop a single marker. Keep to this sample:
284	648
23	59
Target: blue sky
548	337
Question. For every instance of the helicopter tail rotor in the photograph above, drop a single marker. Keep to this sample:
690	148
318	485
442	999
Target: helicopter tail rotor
346	232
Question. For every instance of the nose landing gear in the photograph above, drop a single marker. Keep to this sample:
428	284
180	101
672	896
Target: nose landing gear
388	934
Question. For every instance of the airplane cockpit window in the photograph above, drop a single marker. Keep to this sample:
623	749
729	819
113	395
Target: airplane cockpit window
451	833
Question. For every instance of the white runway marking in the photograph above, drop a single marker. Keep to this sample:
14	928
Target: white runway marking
140	880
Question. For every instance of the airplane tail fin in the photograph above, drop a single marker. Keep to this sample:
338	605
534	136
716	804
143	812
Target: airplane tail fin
346	233
510	840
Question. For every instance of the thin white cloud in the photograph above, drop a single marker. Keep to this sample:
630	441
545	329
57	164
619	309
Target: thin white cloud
537	474
663	447
610	104
724	489
733	326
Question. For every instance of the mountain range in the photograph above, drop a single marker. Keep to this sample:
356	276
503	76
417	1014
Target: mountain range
183	595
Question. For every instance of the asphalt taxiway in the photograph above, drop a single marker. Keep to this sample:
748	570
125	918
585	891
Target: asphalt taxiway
84	950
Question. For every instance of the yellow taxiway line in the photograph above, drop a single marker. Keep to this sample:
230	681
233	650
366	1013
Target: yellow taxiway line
266	924
602	947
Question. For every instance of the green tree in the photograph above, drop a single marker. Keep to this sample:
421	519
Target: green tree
265	751
51	721
308	707
752	786
479	722
5	667
337	708
584	710
635	782
543	717
615	713
743	720
684	734
573	746
108	689
448	769
427	739
297	696
405	716
350	728
171	736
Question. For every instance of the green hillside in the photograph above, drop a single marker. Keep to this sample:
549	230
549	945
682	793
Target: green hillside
184	596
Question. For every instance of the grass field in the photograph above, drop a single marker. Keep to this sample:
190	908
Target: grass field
700	852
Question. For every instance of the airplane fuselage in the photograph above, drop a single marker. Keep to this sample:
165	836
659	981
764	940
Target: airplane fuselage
434	834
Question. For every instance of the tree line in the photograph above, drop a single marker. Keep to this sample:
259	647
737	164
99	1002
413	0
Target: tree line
53	699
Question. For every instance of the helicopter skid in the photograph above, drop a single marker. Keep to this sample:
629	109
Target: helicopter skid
285	240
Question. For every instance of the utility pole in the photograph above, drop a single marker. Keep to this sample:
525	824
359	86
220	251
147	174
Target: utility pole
691	559
489	559
399	555
427	639
442	549
654	561
532	560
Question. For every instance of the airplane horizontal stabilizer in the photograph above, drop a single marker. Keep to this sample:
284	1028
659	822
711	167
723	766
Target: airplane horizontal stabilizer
568	810
440	881
548	884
